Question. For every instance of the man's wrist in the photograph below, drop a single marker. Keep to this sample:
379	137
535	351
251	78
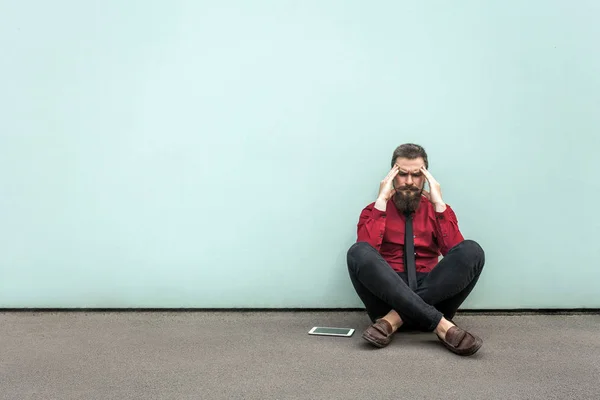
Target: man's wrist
440	207
381	204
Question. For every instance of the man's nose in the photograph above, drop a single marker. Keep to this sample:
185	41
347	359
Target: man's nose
409	180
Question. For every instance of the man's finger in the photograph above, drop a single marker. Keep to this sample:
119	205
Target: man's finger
427	174
392	172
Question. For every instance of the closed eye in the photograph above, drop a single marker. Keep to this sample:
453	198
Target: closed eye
416	174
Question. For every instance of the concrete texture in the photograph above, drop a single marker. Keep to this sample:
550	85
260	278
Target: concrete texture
251	355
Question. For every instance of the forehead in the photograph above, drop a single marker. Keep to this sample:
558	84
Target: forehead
410	165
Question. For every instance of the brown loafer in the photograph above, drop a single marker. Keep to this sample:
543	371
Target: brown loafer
461	342
379	334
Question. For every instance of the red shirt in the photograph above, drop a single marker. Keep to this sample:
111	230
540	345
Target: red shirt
435	233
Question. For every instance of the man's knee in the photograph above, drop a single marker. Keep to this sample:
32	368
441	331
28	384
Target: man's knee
473	251
356	253
359	248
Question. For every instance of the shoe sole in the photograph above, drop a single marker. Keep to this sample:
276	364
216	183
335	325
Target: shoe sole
469	352
373	341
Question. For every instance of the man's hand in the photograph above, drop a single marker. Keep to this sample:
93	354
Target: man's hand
386	189
435	193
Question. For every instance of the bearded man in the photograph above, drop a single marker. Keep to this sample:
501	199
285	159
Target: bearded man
394	266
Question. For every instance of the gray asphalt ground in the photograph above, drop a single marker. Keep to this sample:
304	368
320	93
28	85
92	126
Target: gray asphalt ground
269	355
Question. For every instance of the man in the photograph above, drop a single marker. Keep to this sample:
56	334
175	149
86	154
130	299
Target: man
380	269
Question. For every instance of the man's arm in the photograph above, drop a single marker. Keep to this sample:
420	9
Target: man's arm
447	231
371	224
446	223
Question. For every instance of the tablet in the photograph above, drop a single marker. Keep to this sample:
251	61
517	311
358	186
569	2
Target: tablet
325	331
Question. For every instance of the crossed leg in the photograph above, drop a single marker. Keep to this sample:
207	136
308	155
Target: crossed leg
440	293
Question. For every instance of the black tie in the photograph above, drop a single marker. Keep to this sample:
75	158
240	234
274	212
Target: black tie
409	252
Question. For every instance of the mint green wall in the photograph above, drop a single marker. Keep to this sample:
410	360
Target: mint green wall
218	154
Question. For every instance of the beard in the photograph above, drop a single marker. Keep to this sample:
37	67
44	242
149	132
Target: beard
407	199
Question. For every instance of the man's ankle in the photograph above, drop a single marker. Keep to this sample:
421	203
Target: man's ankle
395	325
394	320
443	327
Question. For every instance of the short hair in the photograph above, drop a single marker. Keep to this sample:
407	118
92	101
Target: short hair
410	151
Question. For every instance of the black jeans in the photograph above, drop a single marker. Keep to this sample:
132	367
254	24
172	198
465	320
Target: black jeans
439	293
